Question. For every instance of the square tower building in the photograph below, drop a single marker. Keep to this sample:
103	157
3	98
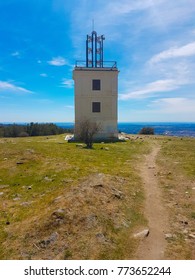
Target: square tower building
96	90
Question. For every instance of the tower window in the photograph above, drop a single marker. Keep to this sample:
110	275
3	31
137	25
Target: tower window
96	107
96	85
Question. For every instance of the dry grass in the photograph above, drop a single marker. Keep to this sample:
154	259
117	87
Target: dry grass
177	177
58	201
62	202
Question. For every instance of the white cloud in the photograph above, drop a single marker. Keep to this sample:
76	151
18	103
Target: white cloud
16	54
58	61
154	87
43	75
9	87
69	107
175	105
184	51
68	83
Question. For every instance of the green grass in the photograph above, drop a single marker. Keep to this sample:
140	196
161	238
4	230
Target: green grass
181	151
34	171
39	169
177	176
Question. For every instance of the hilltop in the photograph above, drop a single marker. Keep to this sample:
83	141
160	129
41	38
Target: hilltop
61	201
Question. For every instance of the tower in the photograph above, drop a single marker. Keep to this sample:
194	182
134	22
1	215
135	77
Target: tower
96	89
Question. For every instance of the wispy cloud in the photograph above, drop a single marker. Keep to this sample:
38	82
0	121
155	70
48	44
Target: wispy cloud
154	87
175	105
69	107
68	83
175	52
10	87
58	61
44	101
43	75
16	54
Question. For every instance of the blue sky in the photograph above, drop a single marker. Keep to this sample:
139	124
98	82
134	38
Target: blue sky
153	42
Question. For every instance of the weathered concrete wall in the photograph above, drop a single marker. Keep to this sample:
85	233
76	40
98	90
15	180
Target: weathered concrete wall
107	96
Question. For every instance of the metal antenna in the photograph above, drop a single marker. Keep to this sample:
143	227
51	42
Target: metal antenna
92	24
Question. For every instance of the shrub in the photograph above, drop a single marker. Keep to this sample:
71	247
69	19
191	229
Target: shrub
86	132
147	131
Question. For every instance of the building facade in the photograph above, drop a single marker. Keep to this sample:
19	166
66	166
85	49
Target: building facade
96	90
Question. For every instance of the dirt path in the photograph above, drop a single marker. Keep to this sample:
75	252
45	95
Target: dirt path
153	246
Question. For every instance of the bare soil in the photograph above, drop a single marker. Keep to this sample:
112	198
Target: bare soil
153	246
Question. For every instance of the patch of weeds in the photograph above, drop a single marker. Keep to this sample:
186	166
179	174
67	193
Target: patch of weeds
193	215
67	254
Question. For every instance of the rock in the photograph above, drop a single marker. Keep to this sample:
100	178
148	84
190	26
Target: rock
29	187
191	236
58	198
104	148
169	235
1	193
52	238
142	234
16	198
69	137
117	194
48	179
26	203
100	237
4	186
79	145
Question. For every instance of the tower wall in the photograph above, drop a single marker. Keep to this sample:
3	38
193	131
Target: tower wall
97	102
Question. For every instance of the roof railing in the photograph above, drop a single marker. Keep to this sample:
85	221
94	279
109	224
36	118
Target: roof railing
104	64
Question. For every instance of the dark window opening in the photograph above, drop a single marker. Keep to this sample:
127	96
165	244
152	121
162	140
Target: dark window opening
96	85
96	107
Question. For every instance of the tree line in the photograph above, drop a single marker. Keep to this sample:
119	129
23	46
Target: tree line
31	129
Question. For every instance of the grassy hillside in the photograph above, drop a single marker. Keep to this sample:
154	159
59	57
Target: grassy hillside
177	179
60	201
47	191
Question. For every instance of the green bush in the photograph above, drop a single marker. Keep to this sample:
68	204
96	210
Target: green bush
147	131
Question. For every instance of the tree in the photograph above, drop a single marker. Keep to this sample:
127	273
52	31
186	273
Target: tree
86	131
147	131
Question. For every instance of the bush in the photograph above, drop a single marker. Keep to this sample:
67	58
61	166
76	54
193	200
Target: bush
147	131
86	131
23	134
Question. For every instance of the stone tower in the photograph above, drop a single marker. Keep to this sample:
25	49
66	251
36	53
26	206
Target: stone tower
96	89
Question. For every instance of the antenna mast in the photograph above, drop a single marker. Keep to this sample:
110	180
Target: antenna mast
94	49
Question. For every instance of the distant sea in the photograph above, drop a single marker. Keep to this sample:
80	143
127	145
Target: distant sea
171	129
